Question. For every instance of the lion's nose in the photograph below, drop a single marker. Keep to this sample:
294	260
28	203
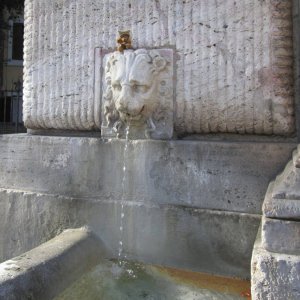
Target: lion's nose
124	99
127	102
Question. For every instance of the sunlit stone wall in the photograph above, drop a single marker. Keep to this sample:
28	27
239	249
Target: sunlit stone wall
233	61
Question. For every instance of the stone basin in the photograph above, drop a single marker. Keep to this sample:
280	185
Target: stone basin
192	205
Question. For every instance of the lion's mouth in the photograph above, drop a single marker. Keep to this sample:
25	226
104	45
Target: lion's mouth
134	117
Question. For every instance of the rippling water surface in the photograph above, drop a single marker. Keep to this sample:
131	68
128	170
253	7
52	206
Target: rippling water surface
133	281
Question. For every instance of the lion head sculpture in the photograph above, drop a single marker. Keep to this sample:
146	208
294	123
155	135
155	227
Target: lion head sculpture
132	95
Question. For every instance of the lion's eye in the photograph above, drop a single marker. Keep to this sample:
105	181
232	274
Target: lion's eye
139	88
117	86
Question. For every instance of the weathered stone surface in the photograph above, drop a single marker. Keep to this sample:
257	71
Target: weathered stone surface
276	256
233	61
277	206
274	275
281	209
44	272
188	238
214	175
281	236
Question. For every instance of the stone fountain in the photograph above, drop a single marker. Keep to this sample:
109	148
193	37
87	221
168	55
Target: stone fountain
206	88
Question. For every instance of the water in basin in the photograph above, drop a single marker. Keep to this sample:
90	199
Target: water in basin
134	281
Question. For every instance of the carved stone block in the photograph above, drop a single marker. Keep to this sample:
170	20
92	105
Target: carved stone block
234	61
137	97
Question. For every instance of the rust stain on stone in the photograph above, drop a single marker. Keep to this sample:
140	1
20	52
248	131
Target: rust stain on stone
206	281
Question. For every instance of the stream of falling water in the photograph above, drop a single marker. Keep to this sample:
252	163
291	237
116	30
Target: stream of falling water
121	257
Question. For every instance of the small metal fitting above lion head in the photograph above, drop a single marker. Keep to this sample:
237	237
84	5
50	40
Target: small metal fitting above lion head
124	40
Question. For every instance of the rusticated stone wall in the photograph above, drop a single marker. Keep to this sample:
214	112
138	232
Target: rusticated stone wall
233	61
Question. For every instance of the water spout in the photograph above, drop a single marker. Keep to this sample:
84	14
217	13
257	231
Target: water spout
123	198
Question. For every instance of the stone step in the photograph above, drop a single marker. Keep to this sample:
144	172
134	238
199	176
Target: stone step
281	210
282	200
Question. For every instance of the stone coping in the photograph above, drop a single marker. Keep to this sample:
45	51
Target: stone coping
45	271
